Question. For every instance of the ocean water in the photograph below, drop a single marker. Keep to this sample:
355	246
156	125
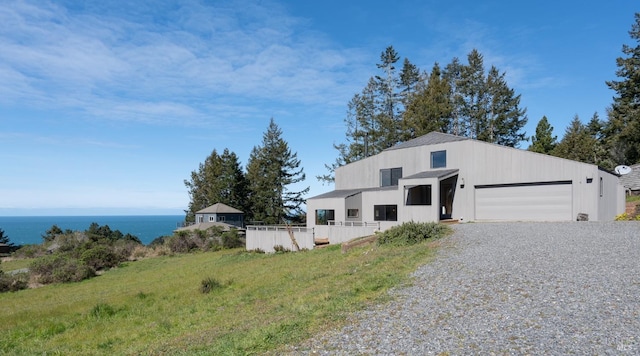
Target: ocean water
29	229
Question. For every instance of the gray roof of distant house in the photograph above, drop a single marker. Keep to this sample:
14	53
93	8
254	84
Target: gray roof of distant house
432	138
631	180
219	208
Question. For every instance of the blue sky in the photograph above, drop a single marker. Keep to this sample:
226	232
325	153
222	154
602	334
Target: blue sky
107	106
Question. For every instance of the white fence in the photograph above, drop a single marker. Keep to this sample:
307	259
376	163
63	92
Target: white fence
342	231
267	237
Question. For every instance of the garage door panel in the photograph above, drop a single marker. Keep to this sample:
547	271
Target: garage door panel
544	202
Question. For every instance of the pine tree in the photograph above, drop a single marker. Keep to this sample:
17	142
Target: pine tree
622	132
543	141
473	89
429	108
505	119
4	239
577	143
388	101
218	180
271	170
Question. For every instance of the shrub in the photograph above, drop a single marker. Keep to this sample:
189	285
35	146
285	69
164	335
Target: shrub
30	251
181	243
231	239
411	233
100	257
281	249
13	282
60	268
103	310
209	284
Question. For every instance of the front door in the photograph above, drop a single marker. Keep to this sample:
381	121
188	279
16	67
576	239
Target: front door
447	192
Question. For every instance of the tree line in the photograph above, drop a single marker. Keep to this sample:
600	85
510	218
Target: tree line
467	100
399	105
263	192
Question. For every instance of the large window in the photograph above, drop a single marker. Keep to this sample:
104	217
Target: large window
353	213
419	195
385	212
323	216
390	176
439	159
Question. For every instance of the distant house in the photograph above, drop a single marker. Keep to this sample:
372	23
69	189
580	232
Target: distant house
218	214
631	181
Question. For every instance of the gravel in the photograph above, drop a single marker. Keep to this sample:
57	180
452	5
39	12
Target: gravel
509	288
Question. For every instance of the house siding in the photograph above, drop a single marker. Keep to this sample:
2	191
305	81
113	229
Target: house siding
478	163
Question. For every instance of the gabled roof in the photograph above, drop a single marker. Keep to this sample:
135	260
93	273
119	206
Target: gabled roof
432	138
631	180
219	208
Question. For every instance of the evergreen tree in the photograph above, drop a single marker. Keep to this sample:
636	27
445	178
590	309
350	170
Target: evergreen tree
429	108
577	143
601	155
271	170
453	75
4	239
387	101
486	108
472	87
505	119
622	132
543	141
218	180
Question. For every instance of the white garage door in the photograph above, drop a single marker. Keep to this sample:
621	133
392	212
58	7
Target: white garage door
525	202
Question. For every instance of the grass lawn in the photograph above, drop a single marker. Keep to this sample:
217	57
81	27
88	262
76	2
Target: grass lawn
155	306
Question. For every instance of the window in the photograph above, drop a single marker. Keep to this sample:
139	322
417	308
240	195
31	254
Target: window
353	213
221	218
439	159
419	195
390	176
385	212
212	218
601	187
323	216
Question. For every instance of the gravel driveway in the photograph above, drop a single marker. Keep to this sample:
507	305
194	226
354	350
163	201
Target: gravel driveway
510	289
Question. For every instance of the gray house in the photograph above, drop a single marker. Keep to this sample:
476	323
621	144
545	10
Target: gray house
439	177
218	214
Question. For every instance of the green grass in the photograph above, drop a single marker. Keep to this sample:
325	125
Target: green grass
15	264
156	306
633	198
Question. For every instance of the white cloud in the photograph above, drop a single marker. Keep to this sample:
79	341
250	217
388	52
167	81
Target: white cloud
166	70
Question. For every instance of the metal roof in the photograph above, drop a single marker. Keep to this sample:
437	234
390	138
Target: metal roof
345	193
432	138
219	208
432	174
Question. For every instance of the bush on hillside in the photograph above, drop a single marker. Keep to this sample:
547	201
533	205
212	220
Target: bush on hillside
13	282
30	251
60	268
231	239
411	233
